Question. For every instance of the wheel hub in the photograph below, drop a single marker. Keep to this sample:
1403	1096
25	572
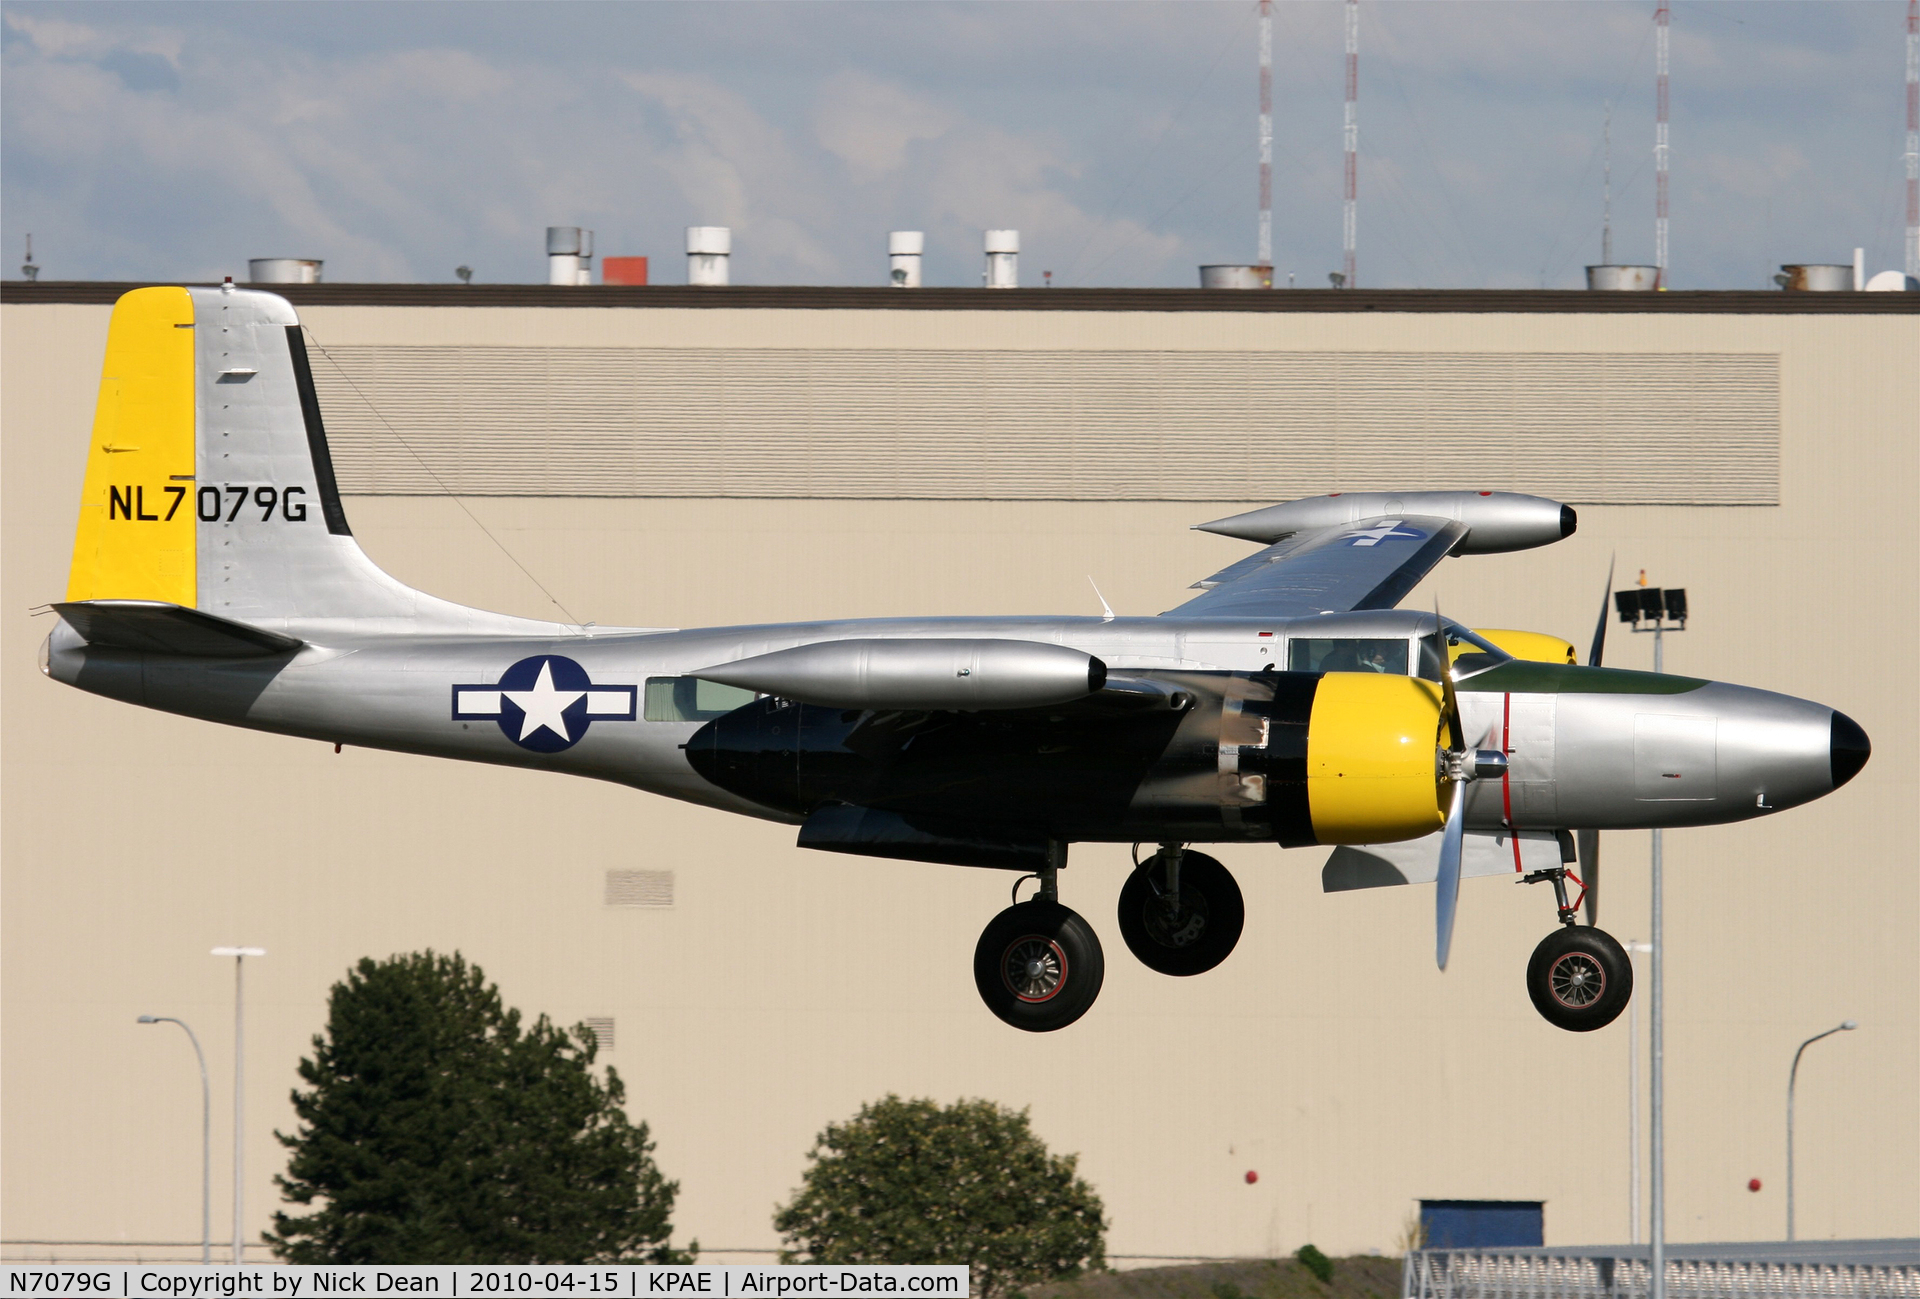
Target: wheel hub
1035	968
1180	925
1576	980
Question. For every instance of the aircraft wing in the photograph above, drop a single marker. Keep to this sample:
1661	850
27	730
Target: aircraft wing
1368	564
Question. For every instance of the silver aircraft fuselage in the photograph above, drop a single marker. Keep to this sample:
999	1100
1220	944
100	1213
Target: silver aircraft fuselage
1588	748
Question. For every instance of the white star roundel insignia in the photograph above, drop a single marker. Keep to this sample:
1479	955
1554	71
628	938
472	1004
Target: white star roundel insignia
1384	531
545	703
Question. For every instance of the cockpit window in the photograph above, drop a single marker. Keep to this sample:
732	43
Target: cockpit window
1347	654
689	699
1471	653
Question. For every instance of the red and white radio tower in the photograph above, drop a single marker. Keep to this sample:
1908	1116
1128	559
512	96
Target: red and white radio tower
1660	148
1350	224
1913	138
1266	134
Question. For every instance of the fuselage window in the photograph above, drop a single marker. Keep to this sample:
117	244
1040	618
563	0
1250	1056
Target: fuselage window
1347	654
689	699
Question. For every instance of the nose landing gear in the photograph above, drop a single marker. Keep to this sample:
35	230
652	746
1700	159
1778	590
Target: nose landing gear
1579	977
1038	965
1181	912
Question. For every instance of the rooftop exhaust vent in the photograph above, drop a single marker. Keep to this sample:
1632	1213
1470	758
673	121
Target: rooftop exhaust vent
1623	279
904	249
709	248
283	270
569	255
1003	259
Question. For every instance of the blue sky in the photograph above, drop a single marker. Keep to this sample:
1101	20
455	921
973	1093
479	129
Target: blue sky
396	141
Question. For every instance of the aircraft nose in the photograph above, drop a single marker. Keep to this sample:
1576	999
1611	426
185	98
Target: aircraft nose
1850	748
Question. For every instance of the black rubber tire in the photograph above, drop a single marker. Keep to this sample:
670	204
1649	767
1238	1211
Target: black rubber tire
1061	943
1561	978
1212	914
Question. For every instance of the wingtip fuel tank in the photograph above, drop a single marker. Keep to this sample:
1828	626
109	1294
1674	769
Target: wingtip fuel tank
1495	521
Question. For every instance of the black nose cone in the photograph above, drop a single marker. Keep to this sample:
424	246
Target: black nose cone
1568	520
1851	749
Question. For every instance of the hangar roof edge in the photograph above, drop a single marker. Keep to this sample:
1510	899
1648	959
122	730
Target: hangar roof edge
862	298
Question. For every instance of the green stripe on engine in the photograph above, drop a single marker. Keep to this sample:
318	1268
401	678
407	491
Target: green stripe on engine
1522	677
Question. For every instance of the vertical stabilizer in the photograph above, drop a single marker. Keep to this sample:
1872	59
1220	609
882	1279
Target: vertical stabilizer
209	484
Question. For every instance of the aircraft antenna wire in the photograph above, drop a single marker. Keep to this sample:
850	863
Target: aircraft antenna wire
579	626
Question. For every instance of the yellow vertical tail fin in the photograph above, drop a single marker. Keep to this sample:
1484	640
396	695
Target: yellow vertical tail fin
136	535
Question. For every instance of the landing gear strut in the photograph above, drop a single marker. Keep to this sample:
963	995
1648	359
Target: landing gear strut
1579	977
1038	965
1181	912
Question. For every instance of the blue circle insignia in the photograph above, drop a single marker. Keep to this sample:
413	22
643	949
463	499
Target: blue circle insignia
545	703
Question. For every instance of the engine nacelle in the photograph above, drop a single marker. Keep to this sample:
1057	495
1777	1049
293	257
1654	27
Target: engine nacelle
1295	758
931	675
1370	759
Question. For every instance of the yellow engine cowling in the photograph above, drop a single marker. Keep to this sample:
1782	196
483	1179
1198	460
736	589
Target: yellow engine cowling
1371	758
1536	646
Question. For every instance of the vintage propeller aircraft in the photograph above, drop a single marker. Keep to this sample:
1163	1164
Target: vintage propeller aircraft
1289	703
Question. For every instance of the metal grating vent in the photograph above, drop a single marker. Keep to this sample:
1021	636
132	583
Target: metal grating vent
601	1026
639	888
976	424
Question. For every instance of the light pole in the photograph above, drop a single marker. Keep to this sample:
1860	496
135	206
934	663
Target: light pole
206	1136
239	955
1633	1103
1792	1075
1656	607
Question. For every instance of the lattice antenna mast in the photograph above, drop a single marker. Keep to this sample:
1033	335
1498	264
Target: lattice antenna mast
1265	257
1660	146
1913	137
1350	223
1606	187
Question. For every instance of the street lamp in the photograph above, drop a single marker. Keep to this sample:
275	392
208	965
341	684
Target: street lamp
239	955
206	1138
1633	1103
1792	1075
1651	609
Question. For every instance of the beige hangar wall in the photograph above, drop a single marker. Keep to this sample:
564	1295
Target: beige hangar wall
780	989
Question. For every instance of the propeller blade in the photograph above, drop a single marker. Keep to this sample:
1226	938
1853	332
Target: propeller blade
1456	732
1587	844
1600	627
1446	895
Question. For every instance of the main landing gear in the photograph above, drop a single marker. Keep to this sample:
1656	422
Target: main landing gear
1038	965
1181	912
1579	977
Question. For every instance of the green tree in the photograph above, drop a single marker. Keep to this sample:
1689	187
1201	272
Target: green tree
907	1181
436	1129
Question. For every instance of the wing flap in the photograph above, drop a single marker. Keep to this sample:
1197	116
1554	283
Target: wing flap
1371	564
156	627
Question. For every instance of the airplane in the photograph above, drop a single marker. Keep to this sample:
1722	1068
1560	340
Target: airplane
1289	703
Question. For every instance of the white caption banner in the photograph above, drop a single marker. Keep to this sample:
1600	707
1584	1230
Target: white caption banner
731	1281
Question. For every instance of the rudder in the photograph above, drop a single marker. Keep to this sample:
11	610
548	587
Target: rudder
135	539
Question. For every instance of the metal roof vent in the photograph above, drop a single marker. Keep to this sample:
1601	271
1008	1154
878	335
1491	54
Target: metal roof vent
601	1026
1003	259
1815	277
569	255
904	249
1623	279
709	248
283	270
1236	277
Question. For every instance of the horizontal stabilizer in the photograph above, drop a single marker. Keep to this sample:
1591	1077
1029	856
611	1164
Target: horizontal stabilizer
156	627
1417	861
